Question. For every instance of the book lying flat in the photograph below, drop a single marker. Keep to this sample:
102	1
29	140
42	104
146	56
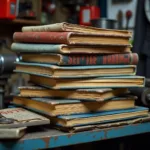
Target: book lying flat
70	38
59	27
89	83
75	71
55	107
22	118
100	117
81	94
12	133
81	59
105	125
68	49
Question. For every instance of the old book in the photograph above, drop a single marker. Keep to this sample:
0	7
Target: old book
12	133
89	83
59	27
82	59
75	71
55	107
81	94
22	118
100	117
105	125
70	38
68	49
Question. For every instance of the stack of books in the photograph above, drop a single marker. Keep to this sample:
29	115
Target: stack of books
80	74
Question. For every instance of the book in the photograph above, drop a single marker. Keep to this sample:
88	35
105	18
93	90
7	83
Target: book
82	59
70	38
61	27
55	107
99	117
68	49
81	94
75	71
89	83
104	125
12	133
22	118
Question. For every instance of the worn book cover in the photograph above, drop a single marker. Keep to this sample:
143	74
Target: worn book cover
12	133
22	118
68	49
89	83
105	125
101	94
100	117
71	38
82	59
64	26
75	71
55	107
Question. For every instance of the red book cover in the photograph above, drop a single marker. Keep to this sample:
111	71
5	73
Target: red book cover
42	37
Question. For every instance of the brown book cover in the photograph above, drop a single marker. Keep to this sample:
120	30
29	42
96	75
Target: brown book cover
70	38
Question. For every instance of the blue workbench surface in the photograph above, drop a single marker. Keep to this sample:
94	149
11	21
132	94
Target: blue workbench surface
51	138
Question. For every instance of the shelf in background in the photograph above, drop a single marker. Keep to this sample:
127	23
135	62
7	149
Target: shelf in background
25	21
20	21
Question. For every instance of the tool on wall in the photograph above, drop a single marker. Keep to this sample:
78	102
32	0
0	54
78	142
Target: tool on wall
128	18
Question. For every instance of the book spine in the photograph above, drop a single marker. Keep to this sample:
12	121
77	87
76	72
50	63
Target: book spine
116	59
36	48
42	37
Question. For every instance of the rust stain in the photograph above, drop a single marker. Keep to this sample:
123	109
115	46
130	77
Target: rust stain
69	135
55	138
46	140
118	128
105	135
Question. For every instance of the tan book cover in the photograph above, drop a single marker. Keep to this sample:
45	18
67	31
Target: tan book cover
88	83
101	94
12	133
64	26
55	107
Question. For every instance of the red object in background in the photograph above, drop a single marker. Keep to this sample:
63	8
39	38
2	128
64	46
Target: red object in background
8	9
88	13
128	14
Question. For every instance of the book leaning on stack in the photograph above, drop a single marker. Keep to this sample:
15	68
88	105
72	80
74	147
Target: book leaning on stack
80	74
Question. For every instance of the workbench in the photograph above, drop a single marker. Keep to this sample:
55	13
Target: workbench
51	138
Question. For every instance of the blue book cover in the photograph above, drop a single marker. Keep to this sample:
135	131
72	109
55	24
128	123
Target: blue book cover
100	82
57	101
67	49
75	71
104	117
